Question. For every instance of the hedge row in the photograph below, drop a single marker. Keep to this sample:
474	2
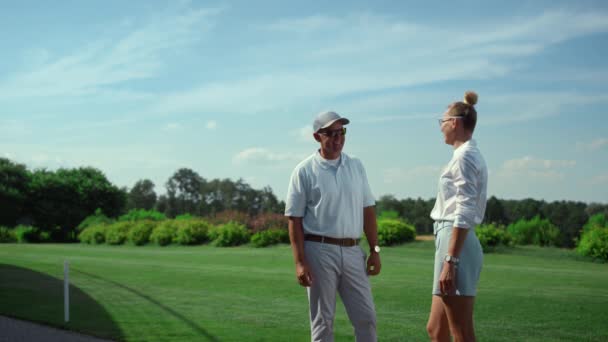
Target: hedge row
182	231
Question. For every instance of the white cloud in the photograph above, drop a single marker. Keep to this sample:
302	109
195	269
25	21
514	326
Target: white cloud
408	175
600	180
531	168
257	155
593	145
211	124
172	126
303	134
132	55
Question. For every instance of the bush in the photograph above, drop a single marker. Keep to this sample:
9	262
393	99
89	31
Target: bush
7	235
536	231
142	214
230	216
389	214
270	237
140	232
229	234
94	220
164	233
93	235
268	221
393	231
191	231
26	234
596	221
116	234
594	243
491	236
184	217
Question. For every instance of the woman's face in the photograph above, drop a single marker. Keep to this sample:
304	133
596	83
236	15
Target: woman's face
448	128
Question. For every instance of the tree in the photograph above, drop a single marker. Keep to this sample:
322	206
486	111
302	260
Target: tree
184	193
495	212
59	201
14	180
142	195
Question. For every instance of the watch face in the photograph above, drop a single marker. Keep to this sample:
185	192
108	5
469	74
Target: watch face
377	249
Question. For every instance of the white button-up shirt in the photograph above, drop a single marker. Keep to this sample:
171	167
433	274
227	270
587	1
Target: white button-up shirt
463	188
330	198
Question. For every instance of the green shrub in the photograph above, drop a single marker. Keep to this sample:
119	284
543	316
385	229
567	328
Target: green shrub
7	235
140	232
116	234
184	217
536	231
164	233
94	220
142	214
594	243
191	231
93	235
229	234
394	231
596	221
27	234
270	237
389	214
491	236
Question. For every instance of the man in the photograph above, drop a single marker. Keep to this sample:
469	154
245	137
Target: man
329	204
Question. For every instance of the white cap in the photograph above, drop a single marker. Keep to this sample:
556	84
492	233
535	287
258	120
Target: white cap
326	119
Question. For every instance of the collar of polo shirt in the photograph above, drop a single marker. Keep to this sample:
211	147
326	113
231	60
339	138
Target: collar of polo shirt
324	163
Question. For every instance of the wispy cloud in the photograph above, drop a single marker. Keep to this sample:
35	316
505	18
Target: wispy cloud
303	134
258	155
593	145
136	53
536	169
408	175
211	124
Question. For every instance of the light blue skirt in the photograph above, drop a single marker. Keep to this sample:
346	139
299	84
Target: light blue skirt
471	259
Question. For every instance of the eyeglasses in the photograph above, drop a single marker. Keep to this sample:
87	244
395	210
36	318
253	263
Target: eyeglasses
334	133
442	120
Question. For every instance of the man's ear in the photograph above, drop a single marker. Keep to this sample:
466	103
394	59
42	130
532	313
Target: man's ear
317	137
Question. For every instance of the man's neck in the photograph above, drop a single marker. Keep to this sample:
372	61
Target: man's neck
329	156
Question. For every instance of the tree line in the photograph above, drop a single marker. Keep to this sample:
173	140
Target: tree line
57	201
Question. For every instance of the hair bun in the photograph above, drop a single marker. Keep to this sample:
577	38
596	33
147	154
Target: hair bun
470	98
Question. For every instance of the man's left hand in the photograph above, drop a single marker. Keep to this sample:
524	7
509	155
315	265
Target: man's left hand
373	264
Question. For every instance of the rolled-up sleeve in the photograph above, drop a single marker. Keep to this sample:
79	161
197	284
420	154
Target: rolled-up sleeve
295	204
467	191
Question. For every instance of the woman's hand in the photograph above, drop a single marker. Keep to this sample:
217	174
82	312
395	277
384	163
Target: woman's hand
447	279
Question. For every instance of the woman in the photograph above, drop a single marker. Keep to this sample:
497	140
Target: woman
460	206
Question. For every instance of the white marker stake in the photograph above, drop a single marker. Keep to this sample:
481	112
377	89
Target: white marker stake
66	290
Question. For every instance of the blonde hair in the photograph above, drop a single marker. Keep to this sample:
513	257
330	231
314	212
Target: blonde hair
465	109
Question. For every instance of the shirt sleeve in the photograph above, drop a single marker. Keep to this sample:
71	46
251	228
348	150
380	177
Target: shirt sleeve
467	190
295	204
368	197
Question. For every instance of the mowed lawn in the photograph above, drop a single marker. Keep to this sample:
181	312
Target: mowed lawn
206	293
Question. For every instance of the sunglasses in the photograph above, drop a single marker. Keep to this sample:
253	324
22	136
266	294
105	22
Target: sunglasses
334	133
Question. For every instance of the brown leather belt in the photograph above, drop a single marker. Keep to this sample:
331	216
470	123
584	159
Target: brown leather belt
334	241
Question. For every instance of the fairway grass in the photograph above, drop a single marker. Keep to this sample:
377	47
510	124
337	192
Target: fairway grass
206	293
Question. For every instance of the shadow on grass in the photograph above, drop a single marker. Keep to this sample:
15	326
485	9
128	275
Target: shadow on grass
200	330
38	297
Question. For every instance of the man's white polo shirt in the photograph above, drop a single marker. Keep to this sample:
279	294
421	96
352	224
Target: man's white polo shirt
329	198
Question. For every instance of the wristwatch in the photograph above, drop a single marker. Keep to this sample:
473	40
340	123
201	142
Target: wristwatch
376	249
451	259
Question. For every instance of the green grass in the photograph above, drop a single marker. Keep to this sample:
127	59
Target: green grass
246	294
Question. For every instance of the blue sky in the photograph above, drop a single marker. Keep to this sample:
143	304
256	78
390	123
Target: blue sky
230	89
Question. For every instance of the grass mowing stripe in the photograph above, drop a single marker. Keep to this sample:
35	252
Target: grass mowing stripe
243	293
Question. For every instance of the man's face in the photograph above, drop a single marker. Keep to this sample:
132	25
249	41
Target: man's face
332	139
